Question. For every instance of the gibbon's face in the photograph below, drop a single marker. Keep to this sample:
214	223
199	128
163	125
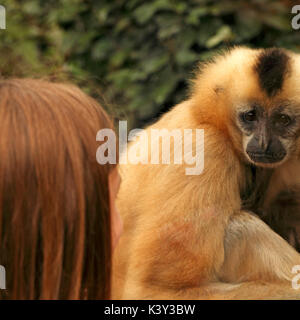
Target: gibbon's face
270	122
268	135
253	95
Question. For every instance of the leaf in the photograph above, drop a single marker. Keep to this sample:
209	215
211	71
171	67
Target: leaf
247	25
207	29
102	48
224	33
122	24
278	22
185	56
196	14
164	86
169	25
118	58
186	38
153	64
120	78
146	11
103	14
32	7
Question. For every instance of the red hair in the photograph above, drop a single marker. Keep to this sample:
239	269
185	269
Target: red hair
54	196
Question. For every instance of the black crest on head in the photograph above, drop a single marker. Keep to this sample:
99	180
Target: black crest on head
272	66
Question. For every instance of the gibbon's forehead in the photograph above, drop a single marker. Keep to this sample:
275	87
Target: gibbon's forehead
272	67
267	76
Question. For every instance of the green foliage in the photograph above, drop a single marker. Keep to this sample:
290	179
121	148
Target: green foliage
138	53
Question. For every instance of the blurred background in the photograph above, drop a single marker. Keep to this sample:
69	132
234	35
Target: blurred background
135	55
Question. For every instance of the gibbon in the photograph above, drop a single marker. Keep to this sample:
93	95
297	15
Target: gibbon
198	236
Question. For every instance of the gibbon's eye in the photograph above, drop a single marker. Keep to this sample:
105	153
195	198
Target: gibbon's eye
283	119
250	116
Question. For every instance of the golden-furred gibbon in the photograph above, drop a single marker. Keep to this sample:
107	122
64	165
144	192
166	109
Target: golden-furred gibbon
197	236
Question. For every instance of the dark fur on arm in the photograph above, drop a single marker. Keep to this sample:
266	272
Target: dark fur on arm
283	213
283	216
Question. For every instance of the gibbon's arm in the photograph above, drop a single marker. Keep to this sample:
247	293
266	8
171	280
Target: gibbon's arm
190	232
257	265
250	290
253	251
281	208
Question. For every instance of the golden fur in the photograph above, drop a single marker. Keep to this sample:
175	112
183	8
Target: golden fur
186	236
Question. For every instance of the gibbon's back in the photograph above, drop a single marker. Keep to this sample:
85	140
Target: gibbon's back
176	225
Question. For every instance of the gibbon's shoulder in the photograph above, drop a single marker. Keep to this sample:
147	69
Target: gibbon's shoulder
178	117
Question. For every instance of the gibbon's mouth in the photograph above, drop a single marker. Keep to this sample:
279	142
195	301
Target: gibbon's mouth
266	157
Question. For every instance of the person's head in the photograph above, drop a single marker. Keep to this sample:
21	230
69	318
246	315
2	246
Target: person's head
55	199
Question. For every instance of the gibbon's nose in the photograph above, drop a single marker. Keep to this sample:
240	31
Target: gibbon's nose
270	151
